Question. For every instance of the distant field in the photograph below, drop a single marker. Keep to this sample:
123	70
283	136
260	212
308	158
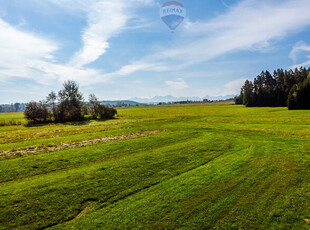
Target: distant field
7	119
200	166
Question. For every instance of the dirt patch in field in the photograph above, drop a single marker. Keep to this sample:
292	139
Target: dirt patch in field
86	209
43	149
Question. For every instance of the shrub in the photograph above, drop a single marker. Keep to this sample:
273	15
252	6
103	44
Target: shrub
106	112
36	111
68	106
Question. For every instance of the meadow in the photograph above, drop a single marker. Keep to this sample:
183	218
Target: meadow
8	119
199	166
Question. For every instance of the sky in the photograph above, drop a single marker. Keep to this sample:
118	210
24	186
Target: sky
121	49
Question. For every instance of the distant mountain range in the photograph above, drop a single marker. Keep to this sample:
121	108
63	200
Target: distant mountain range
170	98
122	102
134	101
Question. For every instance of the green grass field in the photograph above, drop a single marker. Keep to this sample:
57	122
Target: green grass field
202	166
7	119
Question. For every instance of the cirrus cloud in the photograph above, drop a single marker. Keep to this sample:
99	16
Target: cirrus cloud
178	84
248	25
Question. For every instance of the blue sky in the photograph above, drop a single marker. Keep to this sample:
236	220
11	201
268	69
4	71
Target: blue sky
121	49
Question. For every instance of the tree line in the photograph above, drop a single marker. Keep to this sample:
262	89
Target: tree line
11	108
67	106
289	88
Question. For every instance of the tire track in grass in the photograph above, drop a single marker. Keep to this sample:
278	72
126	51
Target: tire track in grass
79	144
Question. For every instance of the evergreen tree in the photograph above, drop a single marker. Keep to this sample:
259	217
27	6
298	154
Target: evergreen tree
274	90
299	97
239	99
248	93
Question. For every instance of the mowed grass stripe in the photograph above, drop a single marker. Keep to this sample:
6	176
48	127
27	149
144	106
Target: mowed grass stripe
100	181
70	142
58	133
15	134
54	131
53	161
276	131
75	137
21	134
233	191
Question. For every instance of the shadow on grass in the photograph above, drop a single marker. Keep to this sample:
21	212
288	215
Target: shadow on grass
86	122
37	124
73	123
114	118
76	123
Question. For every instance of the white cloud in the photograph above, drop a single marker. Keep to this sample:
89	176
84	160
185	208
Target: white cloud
77	6
178	84
303	64
27	55
55	72
18	45
105	19
249	25
224	3
19	48
300	49
233	87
